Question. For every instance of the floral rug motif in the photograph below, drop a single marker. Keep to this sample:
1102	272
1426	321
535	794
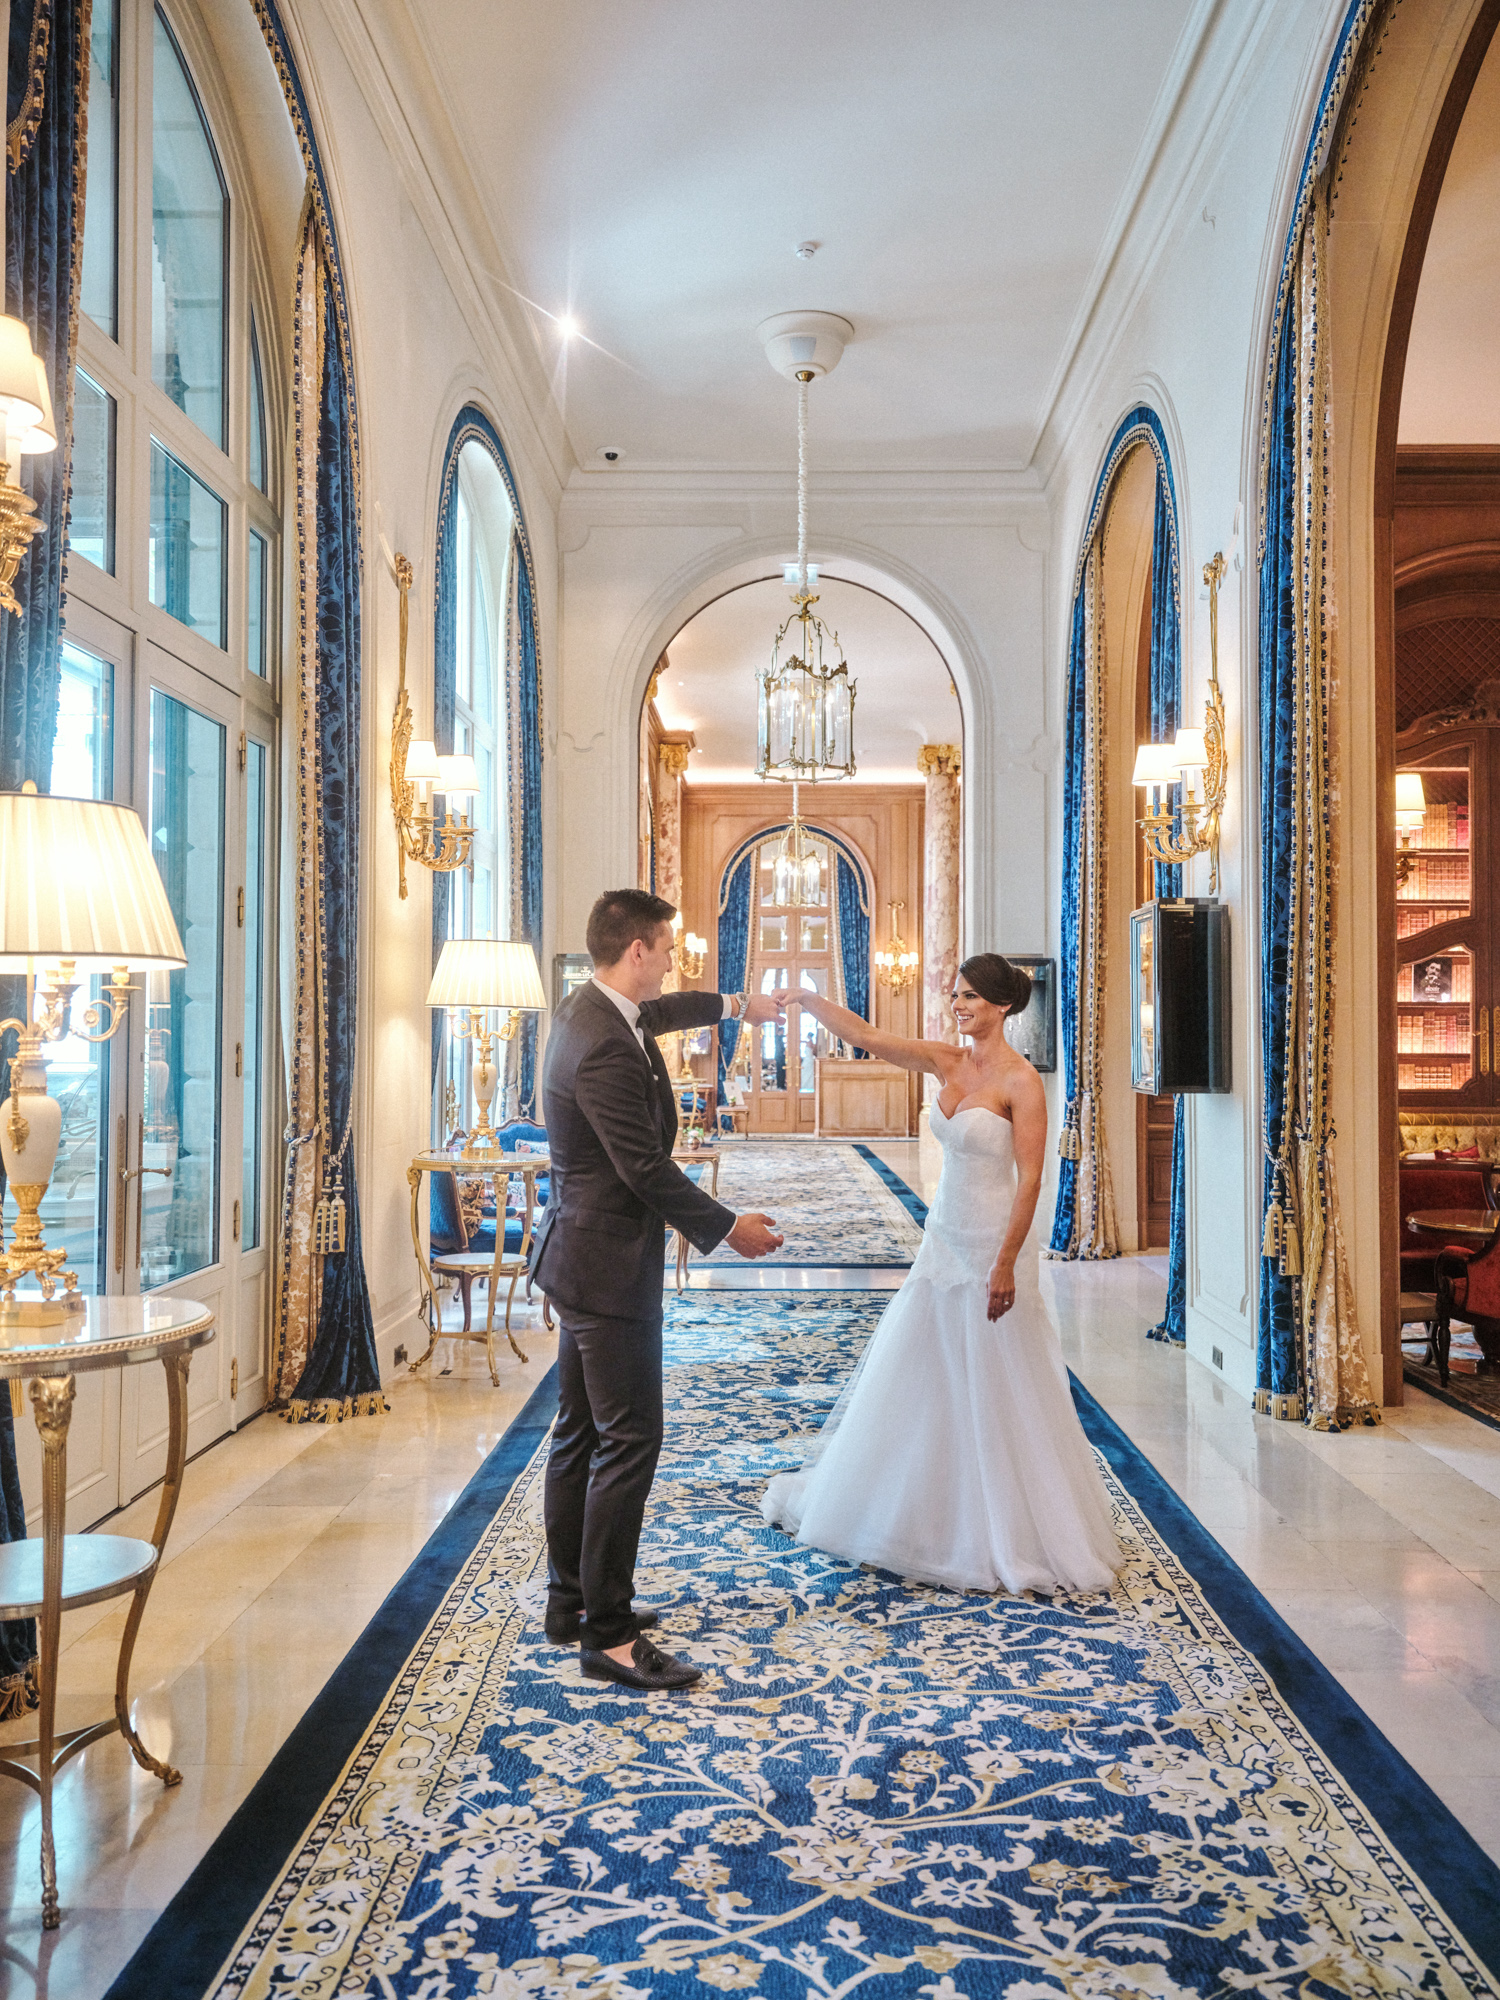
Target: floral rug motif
832	1207
878	1788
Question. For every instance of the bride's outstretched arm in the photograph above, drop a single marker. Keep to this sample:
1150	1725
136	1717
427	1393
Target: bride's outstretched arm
1028	1121
931	1058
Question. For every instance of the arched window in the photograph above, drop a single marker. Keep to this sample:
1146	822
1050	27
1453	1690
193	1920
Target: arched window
171	665
482	527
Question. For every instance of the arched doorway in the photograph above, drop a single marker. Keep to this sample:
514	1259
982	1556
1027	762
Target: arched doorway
893	868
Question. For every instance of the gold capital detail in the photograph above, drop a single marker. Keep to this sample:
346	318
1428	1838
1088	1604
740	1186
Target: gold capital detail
674	759
938	760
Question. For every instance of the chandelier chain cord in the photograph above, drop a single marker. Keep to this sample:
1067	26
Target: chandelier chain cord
802	486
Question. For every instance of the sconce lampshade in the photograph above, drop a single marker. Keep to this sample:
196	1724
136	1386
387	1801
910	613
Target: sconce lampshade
1189	751
19	395
487	972
77	882
457	776
1155	764
1411	799
42	436
422	762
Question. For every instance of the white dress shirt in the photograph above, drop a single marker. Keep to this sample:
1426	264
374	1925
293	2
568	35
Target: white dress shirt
631	1009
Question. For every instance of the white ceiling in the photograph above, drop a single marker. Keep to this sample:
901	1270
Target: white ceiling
650	168
904	696
1451	390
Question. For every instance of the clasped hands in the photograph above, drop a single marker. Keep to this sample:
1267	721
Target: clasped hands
754	1234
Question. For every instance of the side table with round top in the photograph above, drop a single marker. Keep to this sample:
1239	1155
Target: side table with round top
43	1578
1464	1237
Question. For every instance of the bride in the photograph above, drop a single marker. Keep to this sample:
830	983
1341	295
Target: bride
954	1455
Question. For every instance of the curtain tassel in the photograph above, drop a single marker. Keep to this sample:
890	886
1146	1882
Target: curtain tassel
328	1219
1291	1251
1069	1140
1274	1232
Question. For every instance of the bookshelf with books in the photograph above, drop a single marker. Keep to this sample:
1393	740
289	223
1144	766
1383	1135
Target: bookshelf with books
1444	979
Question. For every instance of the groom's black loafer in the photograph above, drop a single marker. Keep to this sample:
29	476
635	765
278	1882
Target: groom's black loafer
568	1631
650	1669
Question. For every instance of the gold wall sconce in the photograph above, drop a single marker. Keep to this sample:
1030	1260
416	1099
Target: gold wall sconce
1174	834
27	427
898	967
420	776
478	977
689	951
1411	814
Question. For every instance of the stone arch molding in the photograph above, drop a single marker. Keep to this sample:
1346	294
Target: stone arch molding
719	570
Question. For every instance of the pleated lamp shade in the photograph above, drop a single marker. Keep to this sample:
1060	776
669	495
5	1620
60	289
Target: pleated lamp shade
487	972
77	881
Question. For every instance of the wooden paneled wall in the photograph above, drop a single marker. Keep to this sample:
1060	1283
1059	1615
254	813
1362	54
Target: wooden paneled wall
882	822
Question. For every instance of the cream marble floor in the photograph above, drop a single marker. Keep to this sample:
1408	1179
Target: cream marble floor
1381	1548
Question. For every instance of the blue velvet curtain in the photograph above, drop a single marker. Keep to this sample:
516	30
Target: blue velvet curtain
46	117
1166	713
854	941
529	713
1072	890
734	952
444	705
524	705
342	1373
1278	1375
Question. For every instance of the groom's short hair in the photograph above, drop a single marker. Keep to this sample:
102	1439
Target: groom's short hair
620	917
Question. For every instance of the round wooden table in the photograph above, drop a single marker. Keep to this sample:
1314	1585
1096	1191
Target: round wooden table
42	1579
1461	1225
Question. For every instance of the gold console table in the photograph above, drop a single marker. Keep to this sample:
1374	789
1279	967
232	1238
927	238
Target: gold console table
42	1579
494	1267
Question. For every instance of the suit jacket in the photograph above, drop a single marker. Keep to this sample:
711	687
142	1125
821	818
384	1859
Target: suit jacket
611	1117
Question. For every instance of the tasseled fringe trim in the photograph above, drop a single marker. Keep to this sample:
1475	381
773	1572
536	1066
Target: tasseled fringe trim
1168	1339
1081	1256
1281	1243
334	1409
18	1694
1287	1408
1345	1417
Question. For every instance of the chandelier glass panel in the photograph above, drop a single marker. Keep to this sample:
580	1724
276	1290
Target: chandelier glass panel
806	700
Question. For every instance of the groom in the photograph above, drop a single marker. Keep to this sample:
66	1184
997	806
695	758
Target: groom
611	1116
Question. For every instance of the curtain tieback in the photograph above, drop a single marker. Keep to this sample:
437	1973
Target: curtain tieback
1281	1240
1069	1141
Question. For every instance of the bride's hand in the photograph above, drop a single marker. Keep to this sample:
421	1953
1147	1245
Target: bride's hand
1002	1291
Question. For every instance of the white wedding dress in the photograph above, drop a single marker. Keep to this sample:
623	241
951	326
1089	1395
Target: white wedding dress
954	1455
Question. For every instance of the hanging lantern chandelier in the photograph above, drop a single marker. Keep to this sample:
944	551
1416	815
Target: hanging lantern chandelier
806	700
796	867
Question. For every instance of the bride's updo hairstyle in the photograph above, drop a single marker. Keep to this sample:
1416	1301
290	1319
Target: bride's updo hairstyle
995	979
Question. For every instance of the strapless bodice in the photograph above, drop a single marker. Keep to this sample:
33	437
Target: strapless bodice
971	1209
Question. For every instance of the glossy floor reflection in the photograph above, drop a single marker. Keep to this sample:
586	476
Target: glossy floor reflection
1380	1547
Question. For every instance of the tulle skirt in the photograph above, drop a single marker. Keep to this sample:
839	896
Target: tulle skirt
955	1455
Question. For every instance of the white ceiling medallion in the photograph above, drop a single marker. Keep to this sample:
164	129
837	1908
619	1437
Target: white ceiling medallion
810	342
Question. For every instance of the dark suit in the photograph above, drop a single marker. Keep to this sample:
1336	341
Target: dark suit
611	1116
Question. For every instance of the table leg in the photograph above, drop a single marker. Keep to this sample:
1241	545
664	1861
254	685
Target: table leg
176	1366
427	1305
52	1401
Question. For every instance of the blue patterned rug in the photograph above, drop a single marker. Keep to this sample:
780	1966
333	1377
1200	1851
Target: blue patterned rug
878	1788
835	1204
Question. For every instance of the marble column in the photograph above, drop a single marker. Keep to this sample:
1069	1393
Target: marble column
939	763
672	758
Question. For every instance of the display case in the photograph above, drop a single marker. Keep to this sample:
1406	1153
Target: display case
1179	996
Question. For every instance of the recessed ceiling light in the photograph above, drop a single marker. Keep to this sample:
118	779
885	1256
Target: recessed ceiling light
567	326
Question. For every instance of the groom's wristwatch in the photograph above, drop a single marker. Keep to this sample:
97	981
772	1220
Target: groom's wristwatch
737	1002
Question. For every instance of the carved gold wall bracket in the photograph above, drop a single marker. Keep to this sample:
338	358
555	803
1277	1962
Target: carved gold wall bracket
1175	834
439	844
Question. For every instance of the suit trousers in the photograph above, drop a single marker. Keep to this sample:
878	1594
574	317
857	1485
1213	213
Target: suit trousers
599	1472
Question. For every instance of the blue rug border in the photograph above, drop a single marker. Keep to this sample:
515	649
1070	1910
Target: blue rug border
1441	1395
1452	1866
909	1199
182	1952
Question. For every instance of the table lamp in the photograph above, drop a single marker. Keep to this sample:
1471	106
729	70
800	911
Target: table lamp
480	976
79	893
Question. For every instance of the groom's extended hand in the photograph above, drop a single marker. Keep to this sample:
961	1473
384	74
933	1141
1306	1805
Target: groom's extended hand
763	1007
754	1235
